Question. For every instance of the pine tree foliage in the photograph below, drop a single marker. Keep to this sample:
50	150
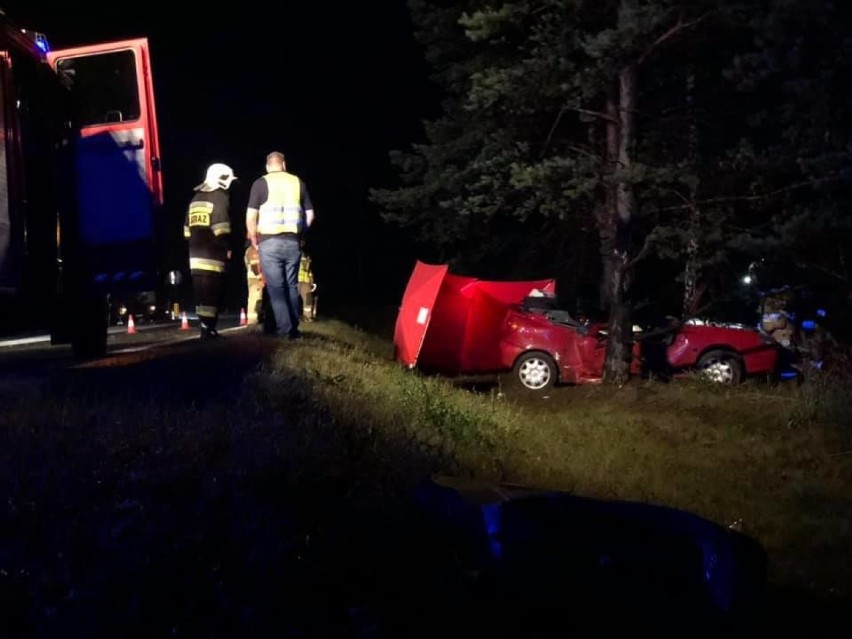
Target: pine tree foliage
623	145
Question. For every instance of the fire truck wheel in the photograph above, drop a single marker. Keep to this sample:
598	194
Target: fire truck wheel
89	339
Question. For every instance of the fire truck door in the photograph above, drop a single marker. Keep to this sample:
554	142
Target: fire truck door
119	179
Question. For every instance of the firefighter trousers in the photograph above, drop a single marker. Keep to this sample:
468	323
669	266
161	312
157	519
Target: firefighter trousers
255	298
209	289
308	296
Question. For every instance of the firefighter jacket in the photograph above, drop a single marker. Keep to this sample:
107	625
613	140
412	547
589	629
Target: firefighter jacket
305	273
282	210
208	229
252	261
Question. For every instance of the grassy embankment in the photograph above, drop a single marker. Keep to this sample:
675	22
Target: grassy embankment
112	492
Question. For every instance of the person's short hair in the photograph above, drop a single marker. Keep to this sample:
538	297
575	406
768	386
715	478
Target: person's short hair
275	157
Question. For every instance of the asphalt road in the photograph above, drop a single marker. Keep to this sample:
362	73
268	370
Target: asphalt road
33	351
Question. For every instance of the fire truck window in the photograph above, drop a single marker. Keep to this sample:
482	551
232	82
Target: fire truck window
103	86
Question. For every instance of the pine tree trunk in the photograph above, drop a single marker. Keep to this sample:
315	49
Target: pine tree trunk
691	292
606	209
619	347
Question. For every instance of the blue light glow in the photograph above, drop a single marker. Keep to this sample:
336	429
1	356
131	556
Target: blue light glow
493	520
715	570
41	42
808	325
820	312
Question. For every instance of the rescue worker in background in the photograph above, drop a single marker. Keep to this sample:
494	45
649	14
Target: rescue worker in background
307	287
254	283
278	214
208	229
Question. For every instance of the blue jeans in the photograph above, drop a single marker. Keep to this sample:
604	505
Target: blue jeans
279	261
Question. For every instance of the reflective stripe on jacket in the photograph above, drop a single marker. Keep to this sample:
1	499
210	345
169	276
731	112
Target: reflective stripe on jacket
200	214
206	264
282	211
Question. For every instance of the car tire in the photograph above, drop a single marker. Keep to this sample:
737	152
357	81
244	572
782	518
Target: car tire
721	367
535	371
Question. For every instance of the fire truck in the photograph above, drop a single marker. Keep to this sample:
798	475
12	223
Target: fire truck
81	185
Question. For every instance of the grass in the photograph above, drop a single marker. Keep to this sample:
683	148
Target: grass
133	502
757	455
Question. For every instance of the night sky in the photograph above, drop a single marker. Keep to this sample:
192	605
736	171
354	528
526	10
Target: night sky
333	85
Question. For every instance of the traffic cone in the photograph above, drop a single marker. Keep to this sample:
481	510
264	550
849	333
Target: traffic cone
184	322
243	318
131	325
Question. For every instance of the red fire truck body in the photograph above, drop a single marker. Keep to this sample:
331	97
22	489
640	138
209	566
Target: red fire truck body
81	186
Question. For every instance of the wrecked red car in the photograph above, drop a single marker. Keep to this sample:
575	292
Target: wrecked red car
546	347
454	325
726	353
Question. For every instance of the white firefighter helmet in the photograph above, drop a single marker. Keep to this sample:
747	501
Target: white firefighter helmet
219	176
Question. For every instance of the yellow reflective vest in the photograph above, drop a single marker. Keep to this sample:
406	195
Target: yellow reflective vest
282	211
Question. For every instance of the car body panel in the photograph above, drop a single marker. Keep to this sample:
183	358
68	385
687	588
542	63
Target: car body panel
578	351
759	355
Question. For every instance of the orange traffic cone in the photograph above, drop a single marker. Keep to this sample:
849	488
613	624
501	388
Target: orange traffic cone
184	322
243	318
131	325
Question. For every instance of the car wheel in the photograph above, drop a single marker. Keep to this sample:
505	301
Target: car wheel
721	367
535	371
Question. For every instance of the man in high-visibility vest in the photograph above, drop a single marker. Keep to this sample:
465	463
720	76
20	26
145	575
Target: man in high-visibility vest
278	214
208	230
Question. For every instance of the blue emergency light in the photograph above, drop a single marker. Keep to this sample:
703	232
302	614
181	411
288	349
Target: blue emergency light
41	42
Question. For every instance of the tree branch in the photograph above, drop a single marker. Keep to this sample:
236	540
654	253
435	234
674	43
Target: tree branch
595	114
752	198
550	133
830	272
641	255
594	156
687	203
672	32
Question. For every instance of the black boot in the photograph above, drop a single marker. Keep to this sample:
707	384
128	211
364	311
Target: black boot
208	332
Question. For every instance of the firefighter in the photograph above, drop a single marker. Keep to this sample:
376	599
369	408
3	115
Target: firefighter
208	229
278	213
307	287
254	283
